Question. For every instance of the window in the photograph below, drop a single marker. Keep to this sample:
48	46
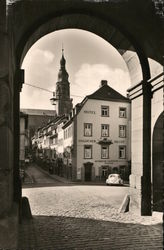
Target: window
104	130
87	129
54	141
104	151
122	131
69	132
104	110
66	134
122	112
122	152
87	151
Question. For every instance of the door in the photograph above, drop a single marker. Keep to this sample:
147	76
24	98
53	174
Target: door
104	172
88	171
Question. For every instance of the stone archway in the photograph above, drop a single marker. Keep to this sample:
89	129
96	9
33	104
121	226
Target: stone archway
123	43
158	163
130	51
22	23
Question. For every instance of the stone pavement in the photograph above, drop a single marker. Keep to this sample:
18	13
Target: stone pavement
85	218
62	233
30	177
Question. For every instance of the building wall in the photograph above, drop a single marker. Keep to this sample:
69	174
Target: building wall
68	136
22	139
60	148
36	121
37	118
91	113
157	109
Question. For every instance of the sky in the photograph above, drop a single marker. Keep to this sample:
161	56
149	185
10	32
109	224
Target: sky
89	59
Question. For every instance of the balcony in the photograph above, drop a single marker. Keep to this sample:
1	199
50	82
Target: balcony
104	141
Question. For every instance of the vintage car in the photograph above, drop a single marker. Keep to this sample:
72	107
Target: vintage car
114	179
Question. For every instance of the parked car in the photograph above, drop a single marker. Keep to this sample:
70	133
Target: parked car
114	179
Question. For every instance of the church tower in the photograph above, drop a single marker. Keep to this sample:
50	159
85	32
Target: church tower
63	100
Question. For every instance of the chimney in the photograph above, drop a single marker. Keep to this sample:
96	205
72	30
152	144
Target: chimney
103	83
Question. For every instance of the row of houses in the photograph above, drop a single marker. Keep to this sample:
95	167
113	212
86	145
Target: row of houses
91	141
30	120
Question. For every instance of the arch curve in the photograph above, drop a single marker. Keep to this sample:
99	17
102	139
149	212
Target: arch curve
124	43
158	163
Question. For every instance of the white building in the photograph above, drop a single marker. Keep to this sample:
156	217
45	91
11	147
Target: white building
97	136
24	138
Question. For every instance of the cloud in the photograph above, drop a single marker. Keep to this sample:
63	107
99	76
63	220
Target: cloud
38	56
39	68
36	99
88	78
39	71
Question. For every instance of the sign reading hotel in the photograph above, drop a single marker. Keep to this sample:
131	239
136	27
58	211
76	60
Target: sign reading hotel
89	112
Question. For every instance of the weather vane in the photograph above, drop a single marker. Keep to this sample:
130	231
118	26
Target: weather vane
62	49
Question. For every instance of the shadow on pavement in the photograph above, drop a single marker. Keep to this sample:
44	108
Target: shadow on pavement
52	232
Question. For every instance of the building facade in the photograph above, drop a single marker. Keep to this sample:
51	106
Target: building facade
36	118
24	137
97	136
93	141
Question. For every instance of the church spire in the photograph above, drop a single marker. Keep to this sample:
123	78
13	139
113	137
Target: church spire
62	50
64	102
62	75
62	61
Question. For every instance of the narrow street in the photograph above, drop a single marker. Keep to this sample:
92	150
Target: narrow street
70	216
35	177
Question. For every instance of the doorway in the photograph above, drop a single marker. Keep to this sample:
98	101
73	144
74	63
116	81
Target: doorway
88	171
158	164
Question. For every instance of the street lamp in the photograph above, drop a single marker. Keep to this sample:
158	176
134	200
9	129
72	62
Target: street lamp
53	99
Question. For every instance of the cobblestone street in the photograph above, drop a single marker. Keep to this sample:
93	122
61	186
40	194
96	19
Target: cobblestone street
85	217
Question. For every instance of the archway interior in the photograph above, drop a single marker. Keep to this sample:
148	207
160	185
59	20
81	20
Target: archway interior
130	51
89	59
158	161
112	36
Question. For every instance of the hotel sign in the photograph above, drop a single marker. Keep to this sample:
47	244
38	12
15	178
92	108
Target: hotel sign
89	112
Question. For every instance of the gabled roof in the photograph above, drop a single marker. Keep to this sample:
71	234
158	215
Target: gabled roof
55	121
106	93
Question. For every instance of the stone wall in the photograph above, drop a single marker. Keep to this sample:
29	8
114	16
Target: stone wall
8	208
